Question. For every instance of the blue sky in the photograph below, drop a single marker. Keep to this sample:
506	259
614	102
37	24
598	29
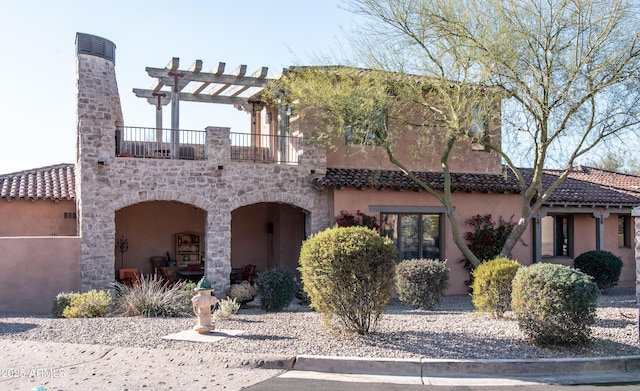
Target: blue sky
37	38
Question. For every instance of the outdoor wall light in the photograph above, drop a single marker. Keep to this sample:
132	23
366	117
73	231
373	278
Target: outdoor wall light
103	156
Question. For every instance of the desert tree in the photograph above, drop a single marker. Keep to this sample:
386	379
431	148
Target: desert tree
564	73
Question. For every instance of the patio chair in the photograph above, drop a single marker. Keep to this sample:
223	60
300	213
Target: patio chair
169	282
129	277
248	274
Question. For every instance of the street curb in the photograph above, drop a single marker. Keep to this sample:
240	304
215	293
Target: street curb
530	367
360	365
275	362
553	370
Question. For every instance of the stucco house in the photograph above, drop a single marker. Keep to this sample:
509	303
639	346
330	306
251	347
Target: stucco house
223	198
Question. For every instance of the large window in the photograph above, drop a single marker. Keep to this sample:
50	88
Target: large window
417	235
557	236
624	231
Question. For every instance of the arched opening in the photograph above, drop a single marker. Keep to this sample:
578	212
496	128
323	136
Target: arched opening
151	230
267	235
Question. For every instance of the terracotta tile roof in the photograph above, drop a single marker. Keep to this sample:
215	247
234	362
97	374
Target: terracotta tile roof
582	192
585	188
47	183
626	182
383	179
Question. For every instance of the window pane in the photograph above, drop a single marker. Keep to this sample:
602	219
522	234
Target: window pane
562	236
431	236
620	231
624	231
409	236
546	226
389	226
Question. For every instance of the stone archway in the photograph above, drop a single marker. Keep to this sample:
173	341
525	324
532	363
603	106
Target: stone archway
267	235
150	228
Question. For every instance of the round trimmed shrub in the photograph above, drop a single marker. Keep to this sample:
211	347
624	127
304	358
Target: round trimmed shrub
348	273
422	282
603	266
555	304
61	302
276	288
91	304
492	286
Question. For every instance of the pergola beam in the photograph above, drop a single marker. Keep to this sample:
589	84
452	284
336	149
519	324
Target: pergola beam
258	74
184	96
219	70
233	88
163	75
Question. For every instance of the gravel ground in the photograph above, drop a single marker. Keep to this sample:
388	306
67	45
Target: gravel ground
454	331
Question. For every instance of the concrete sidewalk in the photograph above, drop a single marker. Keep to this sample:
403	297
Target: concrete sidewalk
25	365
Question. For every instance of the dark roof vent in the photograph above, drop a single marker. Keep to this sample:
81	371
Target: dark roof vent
95	46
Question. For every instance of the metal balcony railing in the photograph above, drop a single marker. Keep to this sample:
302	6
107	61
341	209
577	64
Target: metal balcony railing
160	143
265	148
191	144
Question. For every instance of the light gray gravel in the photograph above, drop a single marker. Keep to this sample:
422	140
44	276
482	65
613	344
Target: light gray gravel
454	331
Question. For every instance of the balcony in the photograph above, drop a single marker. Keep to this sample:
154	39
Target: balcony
153	143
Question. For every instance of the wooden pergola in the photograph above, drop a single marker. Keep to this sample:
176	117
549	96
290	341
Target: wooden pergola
173	85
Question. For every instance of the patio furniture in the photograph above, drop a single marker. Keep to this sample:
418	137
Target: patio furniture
129	276
248	274
166	276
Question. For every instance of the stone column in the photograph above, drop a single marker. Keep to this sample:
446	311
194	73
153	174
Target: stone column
98	112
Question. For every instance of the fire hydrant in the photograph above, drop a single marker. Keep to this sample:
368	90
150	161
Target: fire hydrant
202	303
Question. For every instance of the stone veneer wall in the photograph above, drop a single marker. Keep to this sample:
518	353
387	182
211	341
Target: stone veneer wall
216	185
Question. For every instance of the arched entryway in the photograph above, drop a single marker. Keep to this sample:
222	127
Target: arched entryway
267	235
150	230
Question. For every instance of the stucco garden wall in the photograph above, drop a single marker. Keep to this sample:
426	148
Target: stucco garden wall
35	270
38	218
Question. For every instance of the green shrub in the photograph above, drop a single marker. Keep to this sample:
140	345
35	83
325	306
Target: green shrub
422	282
92	304
226	308
276	288
153	298
555	304
348	272
61	302
603	266
492	286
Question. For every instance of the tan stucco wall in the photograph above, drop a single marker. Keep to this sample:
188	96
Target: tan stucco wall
418	150
35	270
464	158
37	218
467	205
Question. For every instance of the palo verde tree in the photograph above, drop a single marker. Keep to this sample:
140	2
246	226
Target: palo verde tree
564	72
